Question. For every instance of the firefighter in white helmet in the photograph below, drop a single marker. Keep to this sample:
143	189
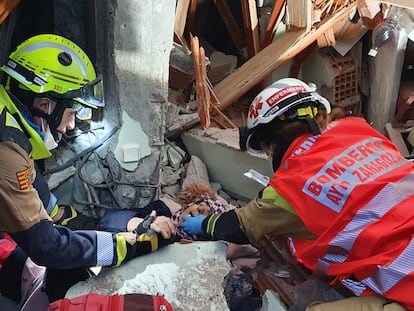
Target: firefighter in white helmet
341	196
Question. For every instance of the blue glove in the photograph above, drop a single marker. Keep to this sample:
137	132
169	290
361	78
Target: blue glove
192	225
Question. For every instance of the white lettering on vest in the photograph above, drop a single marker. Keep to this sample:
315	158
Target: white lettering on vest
361	163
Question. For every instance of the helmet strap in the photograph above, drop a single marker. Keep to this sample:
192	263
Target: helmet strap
23	94
280	150
313	126
53	119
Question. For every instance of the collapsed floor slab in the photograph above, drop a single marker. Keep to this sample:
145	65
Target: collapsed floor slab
190	276
226	164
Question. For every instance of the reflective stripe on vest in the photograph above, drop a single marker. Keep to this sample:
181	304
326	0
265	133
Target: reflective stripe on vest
360	208
386	276
382	203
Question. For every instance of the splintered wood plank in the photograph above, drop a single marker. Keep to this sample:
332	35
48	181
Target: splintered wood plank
231	25
201	94
191	16
369	8
274	21
260	66
326	39
251	26
256	69
298	13
224	121
409	4
204	104
181	10
205	97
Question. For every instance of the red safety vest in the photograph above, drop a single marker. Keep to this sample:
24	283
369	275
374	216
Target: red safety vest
355	192
7	246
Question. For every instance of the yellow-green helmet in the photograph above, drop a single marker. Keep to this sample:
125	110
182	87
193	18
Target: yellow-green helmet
55	66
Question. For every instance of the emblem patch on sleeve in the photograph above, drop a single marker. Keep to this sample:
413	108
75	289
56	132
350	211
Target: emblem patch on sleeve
25	179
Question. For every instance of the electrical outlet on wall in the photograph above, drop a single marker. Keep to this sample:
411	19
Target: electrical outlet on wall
130	153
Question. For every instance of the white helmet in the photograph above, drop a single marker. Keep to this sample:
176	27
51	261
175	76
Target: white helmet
286	99
280	97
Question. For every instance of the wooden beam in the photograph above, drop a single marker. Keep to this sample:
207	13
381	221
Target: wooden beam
298	13
204	106
251	26
273	22
409	4
271	58
202	93
231	25
181	16
206	99
299	59
192	16
255	69
6	7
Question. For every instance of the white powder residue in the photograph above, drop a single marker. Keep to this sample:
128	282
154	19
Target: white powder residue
197	287
156	279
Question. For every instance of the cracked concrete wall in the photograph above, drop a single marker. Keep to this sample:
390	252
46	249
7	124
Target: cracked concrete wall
134	40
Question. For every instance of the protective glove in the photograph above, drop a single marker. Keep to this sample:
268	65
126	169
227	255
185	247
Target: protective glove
143	240
128	246
192	224
145	226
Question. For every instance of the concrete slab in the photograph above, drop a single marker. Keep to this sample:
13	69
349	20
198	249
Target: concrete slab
226	164
190	276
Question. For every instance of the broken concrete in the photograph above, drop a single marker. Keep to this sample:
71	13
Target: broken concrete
190	276
131	135
226	164
135	92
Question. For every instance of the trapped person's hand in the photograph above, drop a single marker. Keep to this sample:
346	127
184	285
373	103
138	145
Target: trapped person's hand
163	225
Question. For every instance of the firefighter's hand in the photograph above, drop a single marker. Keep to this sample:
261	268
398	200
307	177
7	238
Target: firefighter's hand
192	224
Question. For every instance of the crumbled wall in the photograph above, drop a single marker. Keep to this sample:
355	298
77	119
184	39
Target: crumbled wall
134	39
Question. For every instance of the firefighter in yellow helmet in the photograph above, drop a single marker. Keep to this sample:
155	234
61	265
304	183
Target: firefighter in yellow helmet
47	78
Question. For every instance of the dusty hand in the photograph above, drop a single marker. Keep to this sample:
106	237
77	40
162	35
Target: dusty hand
163	225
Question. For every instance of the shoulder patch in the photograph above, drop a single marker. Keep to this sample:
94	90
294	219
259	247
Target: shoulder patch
25	179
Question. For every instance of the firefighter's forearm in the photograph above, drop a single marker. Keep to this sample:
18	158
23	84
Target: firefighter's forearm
224	227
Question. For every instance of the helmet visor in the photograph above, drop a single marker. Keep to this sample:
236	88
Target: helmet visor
90	94
248	140
253	145
244	133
